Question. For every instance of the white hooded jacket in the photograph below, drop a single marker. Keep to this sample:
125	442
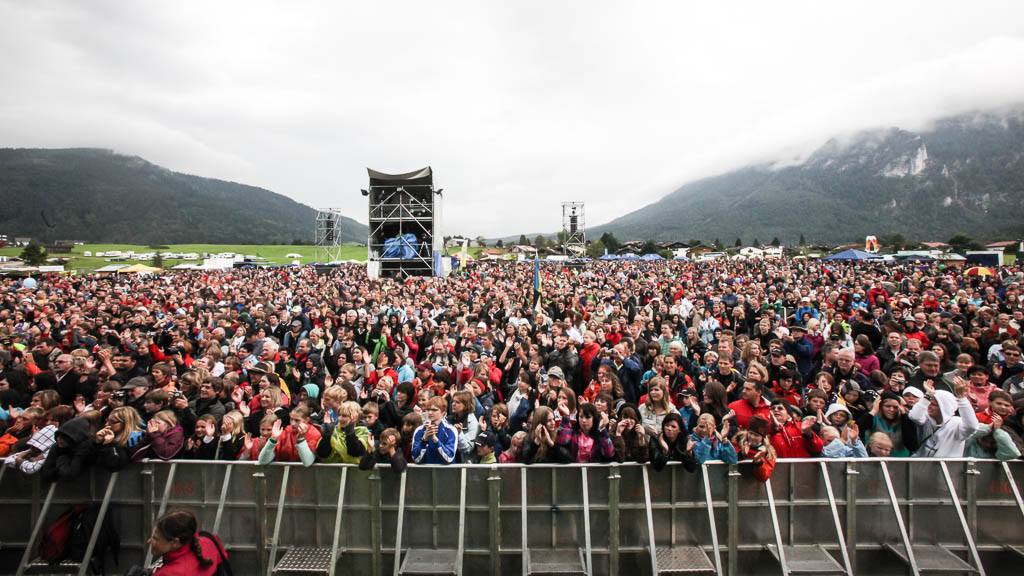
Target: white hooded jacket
945	439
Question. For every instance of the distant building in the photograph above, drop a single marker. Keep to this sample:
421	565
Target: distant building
1003	246
60	247
23	241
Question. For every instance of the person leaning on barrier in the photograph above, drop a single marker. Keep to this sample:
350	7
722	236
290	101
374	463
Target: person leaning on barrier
386	451
293	443
790	437
945	421
672	444
586	438
164	437
72	454
346	441
629	437
118	441
842	444
711	444
30	460
991	441
752	444
888	416
436	441
540	446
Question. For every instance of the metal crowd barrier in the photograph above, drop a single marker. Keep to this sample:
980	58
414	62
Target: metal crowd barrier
894	516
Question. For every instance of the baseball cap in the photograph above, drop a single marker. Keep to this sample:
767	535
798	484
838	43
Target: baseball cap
425	366
556	372
485	438
482	325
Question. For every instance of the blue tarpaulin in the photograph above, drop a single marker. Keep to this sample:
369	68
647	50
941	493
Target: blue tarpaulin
403	246
608	257
651	257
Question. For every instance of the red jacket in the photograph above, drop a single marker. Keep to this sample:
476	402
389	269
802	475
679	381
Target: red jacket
183	562
791	396
744	411
762	471
789	442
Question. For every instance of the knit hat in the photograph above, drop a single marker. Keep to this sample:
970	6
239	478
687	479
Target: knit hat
312	390
759	425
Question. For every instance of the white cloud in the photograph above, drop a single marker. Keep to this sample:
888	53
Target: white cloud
518	106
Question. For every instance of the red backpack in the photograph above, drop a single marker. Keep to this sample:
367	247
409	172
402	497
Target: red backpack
56	544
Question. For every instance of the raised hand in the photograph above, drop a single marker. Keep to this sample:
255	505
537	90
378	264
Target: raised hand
247	442
807	425
275	433
960	387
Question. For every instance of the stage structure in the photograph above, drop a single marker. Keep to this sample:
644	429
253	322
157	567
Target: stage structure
574	229
404	233
327	235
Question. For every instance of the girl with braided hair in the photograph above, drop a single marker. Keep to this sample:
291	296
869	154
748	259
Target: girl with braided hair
181	550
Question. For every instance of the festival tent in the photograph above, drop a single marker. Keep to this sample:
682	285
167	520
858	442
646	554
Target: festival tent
651	257
914	258
629	256
681	258
139	269
608	257
852	255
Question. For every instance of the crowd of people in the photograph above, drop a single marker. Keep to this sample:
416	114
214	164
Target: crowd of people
648	362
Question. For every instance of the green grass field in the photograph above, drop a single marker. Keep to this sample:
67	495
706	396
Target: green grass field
275	254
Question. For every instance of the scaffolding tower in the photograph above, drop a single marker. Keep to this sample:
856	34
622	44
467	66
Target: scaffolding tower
574	229
327	235
402	205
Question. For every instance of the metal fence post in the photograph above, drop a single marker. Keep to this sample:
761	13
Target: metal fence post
493	495
261	520
851	514
613	519
734	533
970	484
147	501
375	523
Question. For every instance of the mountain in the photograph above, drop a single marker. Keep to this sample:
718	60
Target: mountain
965	174
99	196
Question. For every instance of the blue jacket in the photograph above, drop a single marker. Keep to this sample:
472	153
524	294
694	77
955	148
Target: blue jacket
706	449
440	450
803	352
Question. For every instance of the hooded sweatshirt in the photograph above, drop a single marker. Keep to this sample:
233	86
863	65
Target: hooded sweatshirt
77	454
944	439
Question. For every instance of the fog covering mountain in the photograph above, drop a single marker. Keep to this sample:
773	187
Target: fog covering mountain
966	174
98	196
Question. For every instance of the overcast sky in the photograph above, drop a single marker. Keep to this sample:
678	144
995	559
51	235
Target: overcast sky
518	106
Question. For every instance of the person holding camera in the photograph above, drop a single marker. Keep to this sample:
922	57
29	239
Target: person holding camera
436	441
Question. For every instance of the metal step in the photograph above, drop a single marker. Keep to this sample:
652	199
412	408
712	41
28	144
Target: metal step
809	559
40	566
421	561
555	562
305	561
684	560
933	558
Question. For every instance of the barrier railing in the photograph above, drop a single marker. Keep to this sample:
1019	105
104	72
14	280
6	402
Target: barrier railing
823	516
